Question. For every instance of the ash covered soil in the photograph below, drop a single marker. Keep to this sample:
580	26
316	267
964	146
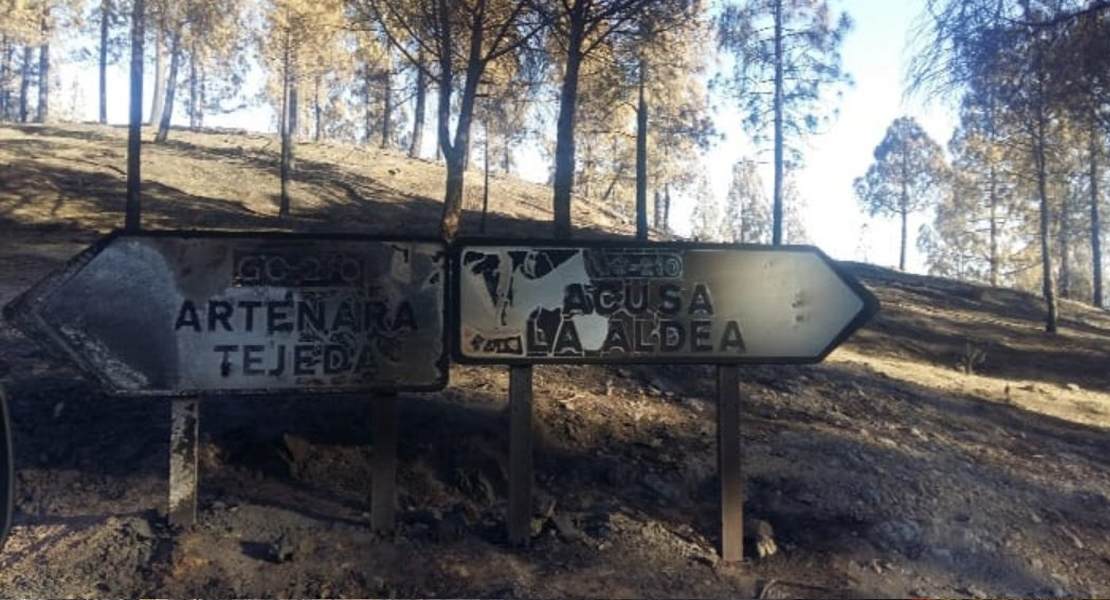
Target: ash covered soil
886	471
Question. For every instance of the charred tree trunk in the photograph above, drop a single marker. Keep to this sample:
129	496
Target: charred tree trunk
193	91
451	218
777	210
585	178
1096	223
993	199
158	98
6	78
26	74
902	253
203	100
1063	228
455	151
105	21
439	116
44	68
43	112
286	129
387	112
418	111
563	185
485	165
904	206
657	210
367	109
294	102
667	207
135	124
1048	284
317	110
992	195
641	159
171	88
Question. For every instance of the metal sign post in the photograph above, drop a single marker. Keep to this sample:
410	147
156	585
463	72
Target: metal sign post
620	302
184	475
383	464
186	315
729	462
520	454
7	470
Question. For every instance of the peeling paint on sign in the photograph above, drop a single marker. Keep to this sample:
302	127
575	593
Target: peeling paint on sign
653	303
193	313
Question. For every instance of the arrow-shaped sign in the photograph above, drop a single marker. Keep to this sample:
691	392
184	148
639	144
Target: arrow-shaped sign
669	302
175	313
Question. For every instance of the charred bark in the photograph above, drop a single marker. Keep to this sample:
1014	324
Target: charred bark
26	75
387	109
135	124
418	112
43	112
641	159
105	21
563	185
286	129
158	97
8	48
1048	283
777	210
1096	221
171	88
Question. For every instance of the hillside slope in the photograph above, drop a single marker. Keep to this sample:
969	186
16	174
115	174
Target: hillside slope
230	180
889	470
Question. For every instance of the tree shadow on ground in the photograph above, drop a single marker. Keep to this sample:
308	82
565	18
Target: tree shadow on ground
82	133
96	200
442	432
939	322
129	438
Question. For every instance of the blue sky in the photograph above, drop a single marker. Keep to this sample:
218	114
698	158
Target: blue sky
875	52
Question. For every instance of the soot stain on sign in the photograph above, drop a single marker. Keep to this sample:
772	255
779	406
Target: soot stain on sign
591	303
341	316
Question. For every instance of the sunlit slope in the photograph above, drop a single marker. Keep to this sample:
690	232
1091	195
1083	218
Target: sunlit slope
75	174
986	343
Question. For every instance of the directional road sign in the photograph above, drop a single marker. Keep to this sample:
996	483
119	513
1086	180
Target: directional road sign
185	313
652	303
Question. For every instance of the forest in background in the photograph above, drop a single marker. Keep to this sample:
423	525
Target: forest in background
619	95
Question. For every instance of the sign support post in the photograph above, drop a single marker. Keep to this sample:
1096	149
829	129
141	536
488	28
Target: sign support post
520	454
729	471
608	302
184	476
7	470
383	464
226	313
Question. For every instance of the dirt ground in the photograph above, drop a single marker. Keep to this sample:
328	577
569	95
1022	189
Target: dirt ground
889	470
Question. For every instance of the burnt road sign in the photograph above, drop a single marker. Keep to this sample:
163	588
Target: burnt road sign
652	303
186	313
